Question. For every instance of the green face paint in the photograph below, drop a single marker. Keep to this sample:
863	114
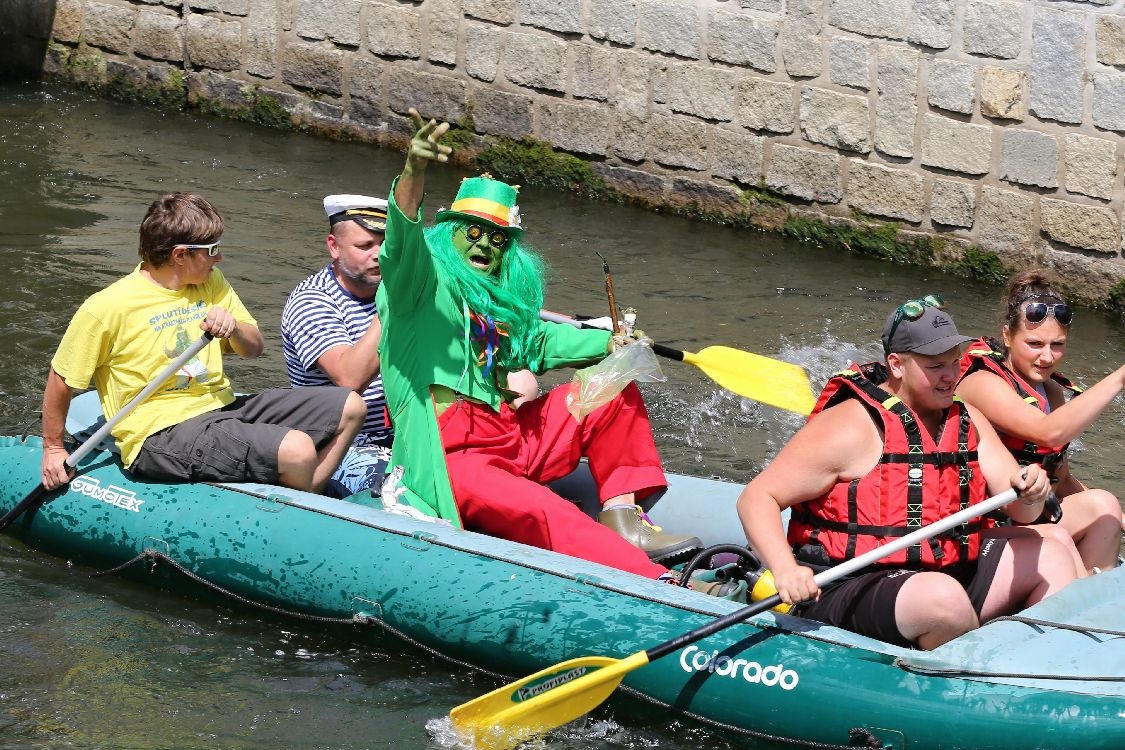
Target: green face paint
481	246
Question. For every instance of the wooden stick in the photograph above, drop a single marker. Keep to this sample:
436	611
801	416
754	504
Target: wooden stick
609	294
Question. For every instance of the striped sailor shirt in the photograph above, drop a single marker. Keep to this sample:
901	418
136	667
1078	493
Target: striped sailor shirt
319	315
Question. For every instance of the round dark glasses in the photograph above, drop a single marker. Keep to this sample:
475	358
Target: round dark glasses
496	238
912	309
1037	312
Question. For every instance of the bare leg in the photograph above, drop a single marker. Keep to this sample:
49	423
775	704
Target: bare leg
1093	519
296	460
1030	569
328	458
932	608
629	498
1046	531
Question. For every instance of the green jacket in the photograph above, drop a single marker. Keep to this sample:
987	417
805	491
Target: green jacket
425	342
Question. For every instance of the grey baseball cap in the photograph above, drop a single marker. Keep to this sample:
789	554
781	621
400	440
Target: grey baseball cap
933	332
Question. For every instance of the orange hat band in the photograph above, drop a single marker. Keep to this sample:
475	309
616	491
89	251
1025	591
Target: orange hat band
492	211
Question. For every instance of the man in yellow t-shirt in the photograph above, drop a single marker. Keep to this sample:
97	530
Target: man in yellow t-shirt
193	427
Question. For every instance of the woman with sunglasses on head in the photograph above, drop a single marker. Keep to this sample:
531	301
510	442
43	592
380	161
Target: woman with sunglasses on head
1014	382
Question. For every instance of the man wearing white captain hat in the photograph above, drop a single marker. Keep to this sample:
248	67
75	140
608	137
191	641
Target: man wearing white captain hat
330	332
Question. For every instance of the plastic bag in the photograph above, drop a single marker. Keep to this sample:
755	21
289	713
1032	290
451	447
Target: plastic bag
393	490
599	384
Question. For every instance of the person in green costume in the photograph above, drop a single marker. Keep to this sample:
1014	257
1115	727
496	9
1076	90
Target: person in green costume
459	303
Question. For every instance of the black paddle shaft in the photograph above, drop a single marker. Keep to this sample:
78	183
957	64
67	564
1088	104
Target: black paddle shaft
712	627
669	352
33	498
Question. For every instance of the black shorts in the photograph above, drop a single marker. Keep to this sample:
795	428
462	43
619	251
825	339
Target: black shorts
239	443
865	604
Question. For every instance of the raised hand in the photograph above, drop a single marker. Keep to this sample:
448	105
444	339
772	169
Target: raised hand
424	146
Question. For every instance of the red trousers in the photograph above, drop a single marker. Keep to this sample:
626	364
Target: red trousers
499	462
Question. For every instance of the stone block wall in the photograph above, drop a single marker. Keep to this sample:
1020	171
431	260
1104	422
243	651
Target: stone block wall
995	123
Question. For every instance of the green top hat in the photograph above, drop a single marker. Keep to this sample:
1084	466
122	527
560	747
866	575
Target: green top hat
485	199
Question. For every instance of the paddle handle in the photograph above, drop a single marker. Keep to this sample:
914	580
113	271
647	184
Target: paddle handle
839	571
669	352
33	498
554	317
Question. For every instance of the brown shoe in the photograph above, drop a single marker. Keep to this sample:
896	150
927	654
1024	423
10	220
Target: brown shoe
630	522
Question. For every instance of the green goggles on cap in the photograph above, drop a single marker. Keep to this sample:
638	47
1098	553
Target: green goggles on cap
912	309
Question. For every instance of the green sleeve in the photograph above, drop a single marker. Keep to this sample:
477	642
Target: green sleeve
567	346
405	262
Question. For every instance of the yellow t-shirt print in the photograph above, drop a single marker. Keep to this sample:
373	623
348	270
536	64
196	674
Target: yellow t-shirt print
193	369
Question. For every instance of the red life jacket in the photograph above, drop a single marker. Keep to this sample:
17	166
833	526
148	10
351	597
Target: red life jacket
986	353
914	484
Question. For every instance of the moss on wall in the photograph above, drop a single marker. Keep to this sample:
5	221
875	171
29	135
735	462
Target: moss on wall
980	265
533	162
267	111
462	134
1115	300
170	94
762	195
260	109
864	237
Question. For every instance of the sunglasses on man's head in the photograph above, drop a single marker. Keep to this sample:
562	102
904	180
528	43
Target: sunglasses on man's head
497	238
212	248
1037	312
912	309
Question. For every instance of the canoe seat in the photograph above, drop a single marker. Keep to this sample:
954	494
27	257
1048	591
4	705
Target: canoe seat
1076	634
85	418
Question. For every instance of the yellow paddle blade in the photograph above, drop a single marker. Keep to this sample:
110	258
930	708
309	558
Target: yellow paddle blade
771	381
540	702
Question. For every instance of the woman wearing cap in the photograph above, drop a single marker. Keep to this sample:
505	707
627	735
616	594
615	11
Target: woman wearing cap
1015	383
889	449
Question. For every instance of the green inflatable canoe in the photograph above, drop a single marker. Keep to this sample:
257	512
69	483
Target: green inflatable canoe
1051	677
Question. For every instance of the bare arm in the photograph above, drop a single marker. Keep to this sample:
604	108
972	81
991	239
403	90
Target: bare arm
56	403
839	444
1010	414
424	148
1002	471
357	365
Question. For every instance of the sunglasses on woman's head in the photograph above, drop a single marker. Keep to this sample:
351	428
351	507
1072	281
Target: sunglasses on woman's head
212	248
912	309
1037	312
496	238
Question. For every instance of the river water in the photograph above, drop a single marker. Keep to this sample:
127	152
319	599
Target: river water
100	663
